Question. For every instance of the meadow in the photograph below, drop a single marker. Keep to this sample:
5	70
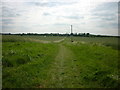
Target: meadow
56	62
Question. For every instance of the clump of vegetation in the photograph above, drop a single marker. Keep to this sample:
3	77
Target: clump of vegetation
88	62
25	64
96	69
107	41
29	38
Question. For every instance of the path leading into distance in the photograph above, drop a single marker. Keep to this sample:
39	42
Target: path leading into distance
43	41
63	72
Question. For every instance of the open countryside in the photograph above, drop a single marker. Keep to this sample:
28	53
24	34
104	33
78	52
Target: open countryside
59	44
31	61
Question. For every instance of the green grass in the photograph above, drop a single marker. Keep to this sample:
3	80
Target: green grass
107	41
84	63
97	65
15	38
47	38
26	64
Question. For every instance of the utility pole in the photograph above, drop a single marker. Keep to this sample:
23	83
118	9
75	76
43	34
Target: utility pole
71	33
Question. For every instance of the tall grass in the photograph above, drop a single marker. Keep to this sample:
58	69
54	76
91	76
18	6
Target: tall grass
107	41
97	65
26	38
26	64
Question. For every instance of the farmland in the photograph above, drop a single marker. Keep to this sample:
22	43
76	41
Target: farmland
55	62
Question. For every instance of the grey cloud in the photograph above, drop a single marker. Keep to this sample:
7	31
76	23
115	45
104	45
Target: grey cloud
107	6
106	11
7	21
108	18
9	12
104	14
6	28
49	4
110	25
10	9
105	18
10	28
46	14
73	17
60	24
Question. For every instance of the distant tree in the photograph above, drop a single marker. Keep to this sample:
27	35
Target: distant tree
71	33
87	34
83	34
75	34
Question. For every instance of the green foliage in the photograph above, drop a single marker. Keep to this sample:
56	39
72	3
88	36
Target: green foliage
29	38
85	63
26	64
107	41
98	65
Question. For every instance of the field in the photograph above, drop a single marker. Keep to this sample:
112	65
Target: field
56	62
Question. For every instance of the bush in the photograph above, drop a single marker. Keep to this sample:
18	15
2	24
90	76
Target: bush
6	63
22	60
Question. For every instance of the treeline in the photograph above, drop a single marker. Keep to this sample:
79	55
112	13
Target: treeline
58	34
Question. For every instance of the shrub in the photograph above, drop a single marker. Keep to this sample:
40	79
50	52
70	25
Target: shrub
7	63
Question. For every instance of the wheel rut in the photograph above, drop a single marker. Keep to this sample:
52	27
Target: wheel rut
63	72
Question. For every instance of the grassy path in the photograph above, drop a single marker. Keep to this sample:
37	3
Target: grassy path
64	72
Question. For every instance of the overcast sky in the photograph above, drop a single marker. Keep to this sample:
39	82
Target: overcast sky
56	16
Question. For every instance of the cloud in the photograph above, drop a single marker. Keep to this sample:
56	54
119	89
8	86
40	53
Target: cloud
7	21
73	17
106	9
57	16
106	6
108	26
48	4
46	14
106	15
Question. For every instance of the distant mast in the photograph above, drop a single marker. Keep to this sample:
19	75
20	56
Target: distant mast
71	29
71	33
